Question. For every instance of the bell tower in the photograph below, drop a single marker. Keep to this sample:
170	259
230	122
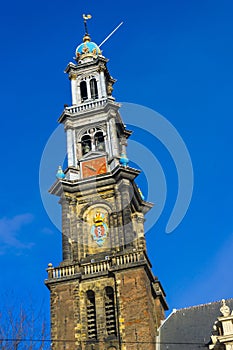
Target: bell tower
103	294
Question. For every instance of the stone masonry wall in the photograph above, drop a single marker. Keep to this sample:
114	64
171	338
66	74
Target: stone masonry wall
138	319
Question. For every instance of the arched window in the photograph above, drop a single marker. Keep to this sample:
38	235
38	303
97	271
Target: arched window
86	144
94	90
91	315
99	141
83	89
110	311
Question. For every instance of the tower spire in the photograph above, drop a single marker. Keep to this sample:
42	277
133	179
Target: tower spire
86	17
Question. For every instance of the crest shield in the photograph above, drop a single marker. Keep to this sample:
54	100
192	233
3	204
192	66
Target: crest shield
99	229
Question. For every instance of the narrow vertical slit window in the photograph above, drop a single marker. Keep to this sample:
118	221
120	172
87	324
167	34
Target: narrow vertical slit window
83	90
110	311
91	315
94	89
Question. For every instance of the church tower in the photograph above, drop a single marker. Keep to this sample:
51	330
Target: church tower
103	294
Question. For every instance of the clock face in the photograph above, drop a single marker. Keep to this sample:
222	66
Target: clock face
94	167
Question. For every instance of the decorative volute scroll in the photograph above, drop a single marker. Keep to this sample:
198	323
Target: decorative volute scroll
222	334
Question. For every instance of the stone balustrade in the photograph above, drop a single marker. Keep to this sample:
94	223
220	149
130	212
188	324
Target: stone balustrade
94	267
59	272
128	258
86	106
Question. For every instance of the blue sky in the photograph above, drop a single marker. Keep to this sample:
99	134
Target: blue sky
172	56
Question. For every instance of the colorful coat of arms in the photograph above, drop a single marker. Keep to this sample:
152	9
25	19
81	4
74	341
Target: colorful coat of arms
99	230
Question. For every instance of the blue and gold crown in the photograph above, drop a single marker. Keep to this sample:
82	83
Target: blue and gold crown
98	218
87	49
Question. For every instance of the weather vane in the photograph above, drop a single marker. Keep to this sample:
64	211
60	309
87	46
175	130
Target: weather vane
86	17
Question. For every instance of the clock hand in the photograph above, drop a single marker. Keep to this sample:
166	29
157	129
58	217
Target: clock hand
90	167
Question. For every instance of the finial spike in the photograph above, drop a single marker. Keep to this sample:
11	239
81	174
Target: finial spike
86	17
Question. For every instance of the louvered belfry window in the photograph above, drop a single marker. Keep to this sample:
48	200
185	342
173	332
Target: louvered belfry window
94	89
91	315
83	89
110	311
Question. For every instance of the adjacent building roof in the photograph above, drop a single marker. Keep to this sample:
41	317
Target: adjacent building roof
190	328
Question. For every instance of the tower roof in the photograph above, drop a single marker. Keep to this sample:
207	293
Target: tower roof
190	327
88	49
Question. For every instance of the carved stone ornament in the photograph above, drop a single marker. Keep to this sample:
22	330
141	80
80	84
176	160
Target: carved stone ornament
225	310
109	88
99	229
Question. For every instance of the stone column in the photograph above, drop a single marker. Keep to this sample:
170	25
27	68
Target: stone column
114	232
70	147
73	228
88	89
79	99
100	95
66	248
118	221
73	78
138	227
103	84
126	213
74	148
123	145
79	238
113	139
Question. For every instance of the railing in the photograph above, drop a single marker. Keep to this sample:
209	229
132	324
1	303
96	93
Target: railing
94	267
128	258
87	105
59	272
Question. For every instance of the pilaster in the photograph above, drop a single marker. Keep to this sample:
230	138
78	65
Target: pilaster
66	246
